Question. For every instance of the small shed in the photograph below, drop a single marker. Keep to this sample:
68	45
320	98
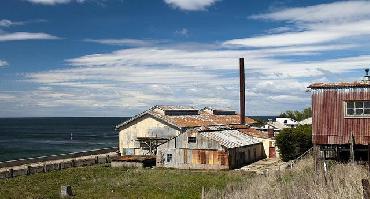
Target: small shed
212	147
341	115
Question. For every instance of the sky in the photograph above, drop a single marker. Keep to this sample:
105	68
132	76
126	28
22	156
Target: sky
61	58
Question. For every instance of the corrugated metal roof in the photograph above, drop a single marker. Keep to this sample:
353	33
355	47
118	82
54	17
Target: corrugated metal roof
230	138
340	85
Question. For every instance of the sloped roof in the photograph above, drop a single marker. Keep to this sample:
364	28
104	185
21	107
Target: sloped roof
188	121
175	107
253	132
230	138
358	84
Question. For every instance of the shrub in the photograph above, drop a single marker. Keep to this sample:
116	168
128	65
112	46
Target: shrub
293	142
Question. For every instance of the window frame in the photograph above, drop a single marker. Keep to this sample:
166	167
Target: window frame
192	140
169	157
363	115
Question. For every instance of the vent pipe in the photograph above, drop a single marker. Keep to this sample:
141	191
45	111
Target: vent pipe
242	90
367	77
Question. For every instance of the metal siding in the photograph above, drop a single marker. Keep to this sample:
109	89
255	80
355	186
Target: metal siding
329	124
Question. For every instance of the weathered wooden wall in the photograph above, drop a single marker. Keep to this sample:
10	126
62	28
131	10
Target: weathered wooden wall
205	153
328	116
143	127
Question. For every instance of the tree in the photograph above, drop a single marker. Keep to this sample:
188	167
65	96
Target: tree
292	142
297	115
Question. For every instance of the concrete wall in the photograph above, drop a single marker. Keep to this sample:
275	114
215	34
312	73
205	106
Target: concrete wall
143	127
54	165
12	163
267	143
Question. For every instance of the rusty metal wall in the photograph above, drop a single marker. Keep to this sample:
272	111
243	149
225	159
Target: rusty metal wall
329	125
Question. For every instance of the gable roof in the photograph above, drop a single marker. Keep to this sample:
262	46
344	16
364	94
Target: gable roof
187	121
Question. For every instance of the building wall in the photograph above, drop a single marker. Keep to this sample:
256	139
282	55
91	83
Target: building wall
329	124
205	154
267	144
143	127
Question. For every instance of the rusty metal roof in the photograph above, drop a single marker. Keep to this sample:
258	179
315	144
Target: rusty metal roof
359	84
189	121
254	132
230	138
175	107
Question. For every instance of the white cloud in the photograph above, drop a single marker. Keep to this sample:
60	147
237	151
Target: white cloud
182	31
332	12
140	77
325	23
125	42
16	36
7	23
54	2
191	5
3	63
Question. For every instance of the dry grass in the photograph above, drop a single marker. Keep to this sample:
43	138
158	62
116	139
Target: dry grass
343	181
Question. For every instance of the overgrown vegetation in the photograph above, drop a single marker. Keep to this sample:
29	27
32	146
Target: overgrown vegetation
298	115
107	182
292	142
342	182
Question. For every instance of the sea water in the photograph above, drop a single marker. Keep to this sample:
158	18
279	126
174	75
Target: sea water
33	137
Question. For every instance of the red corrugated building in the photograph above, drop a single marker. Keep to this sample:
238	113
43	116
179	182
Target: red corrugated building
340	111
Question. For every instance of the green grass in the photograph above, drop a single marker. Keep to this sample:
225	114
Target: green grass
107	182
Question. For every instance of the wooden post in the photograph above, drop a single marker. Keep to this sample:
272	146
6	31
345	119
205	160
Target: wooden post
203	194
368	157
351	150
316	158
366	189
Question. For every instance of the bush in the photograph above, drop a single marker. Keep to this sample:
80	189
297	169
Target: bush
293	142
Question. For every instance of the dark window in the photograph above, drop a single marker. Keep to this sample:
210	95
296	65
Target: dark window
169	157
192	140
358	108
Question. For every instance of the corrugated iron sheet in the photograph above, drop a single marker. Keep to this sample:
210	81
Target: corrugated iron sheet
330	126
209	157
230	138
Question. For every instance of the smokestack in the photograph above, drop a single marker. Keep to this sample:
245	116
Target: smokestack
242	90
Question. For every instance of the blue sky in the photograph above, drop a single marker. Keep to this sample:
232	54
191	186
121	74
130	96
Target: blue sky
119	57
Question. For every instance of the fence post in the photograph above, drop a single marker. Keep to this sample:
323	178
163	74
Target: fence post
203	194
11	171
365	187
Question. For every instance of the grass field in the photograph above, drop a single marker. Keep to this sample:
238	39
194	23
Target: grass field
106	182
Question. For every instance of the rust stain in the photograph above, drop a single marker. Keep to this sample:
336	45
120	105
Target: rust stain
209	157
339	85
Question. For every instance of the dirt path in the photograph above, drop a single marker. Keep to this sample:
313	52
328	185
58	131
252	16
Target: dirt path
265	165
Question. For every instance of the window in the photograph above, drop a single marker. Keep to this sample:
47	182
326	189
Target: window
192	140
358	108
169	157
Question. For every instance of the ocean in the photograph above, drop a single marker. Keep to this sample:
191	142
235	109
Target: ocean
33	137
